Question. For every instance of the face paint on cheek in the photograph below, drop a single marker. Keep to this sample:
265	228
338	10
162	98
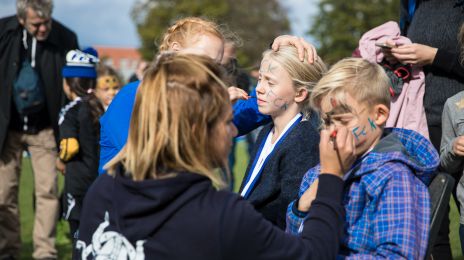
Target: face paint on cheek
372	124
357	132
280	103
277	101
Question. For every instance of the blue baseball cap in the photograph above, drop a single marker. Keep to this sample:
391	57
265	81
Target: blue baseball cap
80	65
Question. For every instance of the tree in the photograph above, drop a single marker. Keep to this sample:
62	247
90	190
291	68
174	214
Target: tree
340	24
256	22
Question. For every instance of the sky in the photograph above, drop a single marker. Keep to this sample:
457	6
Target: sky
108	22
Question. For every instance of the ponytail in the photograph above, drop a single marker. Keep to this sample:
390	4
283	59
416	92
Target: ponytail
84	88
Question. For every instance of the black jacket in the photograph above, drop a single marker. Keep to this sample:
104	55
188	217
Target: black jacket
82	169
49	62
281	176
436	23
184	217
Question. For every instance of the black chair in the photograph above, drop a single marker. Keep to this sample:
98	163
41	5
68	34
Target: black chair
440	191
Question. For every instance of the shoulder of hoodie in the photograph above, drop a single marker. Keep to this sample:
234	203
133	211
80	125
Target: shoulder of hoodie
9	23
72	109
394	174
453	103
217	200
65	35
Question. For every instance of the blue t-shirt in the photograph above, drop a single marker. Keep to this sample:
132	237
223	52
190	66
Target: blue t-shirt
115	121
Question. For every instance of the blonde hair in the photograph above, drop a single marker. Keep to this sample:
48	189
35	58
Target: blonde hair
303	74
185	31
179	102
365	81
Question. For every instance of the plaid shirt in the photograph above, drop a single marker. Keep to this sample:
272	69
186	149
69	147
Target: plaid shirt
387	204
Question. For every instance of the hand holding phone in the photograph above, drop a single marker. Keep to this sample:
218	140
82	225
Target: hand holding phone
384	45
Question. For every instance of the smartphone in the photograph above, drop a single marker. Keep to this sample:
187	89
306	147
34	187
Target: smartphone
383	45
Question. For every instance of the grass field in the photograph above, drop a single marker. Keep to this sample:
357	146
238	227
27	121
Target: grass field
64	243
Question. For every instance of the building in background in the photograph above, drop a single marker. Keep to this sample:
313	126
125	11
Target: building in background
124	60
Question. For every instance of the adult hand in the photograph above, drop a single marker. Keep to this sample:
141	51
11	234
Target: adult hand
236	94
60	166
308	197
417	54
304	48
458	146
337	154
387	52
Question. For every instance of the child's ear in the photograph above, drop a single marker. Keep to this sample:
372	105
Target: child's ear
175	46
301	95
381	114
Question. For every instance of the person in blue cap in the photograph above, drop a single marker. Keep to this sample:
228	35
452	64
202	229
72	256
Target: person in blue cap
79	126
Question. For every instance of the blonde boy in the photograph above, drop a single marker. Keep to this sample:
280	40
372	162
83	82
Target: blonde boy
386	199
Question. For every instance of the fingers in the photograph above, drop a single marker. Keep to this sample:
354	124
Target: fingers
236	94
325	136
303	47
311	52
390	42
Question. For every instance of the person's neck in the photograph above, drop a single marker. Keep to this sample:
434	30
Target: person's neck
372	146
73	96
282	120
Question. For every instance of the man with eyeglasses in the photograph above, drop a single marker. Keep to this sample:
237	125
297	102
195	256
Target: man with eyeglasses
32	53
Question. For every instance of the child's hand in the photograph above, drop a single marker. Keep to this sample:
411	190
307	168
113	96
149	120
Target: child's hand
60	166
337	150
236	94
308	197
458	146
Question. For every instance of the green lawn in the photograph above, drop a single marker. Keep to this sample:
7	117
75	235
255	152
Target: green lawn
64	243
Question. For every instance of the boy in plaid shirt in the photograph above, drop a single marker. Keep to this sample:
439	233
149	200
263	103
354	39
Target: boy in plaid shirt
386	198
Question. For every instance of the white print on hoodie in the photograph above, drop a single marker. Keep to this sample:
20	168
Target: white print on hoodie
110	245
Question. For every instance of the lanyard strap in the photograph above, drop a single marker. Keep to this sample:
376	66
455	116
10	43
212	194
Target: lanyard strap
252	185
411	9
34	47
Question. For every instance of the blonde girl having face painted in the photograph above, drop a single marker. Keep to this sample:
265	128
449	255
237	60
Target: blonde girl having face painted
287	147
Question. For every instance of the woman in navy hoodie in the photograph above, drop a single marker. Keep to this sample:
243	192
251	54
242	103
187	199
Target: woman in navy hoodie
160	199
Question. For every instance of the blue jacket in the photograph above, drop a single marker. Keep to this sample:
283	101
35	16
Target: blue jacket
386	198
115	122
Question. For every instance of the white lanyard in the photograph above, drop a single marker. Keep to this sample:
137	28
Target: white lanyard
34	47
264	153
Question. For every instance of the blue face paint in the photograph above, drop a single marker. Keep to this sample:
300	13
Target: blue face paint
372	124
355	130
357	133
363	131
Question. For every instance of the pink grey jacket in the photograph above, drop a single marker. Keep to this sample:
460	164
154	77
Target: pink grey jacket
407	109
